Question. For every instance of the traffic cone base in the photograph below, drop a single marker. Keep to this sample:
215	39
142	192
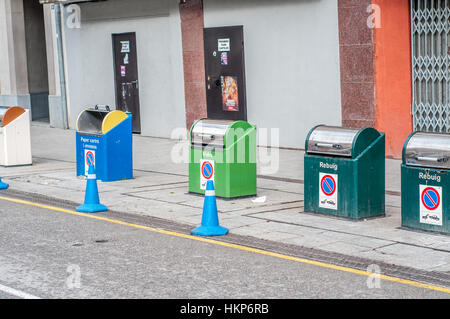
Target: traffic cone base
3	185
210	231
92	208
210	219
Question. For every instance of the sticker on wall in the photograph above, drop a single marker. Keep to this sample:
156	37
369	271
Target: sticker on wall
123	70
126	59
230	96
328	191
206	172
430	204
125	47
223	45
224	58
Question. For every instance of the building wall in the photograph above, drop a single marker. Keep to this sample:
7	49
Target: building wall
291	59
89	61
393	74
375	54
13	57
357	65
192	23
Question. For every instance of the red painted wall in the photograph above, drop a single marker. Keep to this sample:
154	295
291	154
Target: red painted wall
393	74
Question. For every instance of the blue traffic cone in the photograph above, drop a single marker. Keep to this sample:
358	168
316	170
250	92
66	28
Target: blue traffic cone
210	219
3	185
91	199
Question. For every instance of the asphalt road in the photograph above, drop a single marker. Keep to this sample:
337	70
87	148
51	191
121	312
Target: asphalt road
48	254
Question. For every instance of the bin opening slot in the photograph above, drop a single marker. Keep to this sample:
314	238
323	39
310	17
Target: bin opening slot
90	122
9	114
432	159
2	114
330	145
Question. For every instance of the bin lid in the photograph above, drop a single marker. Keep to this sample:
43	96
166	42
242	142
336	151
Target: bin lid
98	121
210	132
430	150
339	141
9	114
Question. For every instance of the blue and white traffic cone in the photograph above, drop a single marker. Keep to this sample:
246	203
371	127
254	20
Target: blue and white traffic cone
3	185
210	218
91	199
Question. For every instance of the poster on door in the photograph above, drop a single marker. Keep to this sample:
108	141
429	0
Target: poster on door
230	94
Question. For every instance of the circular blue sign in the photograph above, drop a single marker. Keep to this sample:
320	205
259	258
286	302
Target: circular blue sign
328	185
207	170
430	198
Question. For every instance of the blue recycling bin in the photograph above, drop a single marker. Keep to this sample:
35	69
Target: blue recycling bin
104	138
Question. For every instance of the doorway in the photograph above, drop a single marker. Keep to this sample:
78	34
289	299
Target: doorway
126	76
36	53
225	73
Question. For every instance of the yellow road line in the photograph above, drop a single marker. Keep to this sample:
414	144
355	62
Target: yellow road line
235	246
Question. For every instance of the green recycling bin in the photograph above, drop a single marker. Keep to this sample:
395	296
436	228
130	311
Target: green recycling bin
345	172
426	182
224	152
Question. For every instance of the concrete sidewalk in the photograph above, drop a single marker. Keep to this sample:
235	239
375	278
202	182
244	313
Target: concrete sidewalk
160	188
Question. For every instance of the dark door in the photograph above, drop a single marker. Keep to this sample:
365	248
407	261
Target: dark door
225	73
126	76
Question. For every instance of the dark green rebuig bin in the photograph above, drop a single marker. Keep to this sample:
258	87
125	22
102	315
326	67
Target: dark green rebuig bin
345	172
426	182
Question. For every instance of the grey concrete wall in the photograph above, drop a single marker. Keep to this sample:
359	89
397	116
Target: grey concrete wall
291	59
55	100
90	73
51	50
13	66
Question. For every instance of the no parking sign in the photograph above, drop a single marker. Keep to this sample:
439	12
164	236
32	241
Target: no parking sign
89	159
328	191
206	172
430	204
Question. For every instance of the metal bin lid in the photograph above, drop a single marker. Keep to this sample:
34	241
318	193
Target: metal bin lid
340	141
208	132
430	150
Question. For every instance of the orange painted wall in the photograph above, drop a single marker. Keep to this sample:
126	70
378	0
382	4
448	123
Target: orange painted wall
392	61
